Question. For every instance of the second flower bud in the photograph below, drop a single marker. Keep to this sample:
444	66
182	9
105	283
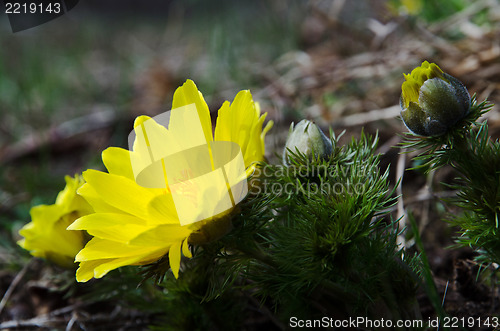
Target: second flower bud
307	138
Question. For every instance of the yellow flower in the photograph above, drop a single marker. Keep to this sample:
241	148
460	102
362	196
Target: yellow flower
432	101
46	235
135	225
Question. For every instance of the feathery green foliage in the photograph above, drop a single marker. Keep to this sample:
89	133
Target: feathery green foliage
469	149
312	239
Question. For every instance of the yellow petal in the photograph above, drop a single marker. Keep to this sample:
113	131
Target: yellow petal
268	127
69	200
174	257
86	270
94	199
162	210
104	249
161	235
117	161
223	130
99	268
111	226
140	120
240	123
185	249
52	240
149	136
104	268
120	192
46	235
44	216
68	193
188	94
255	150
235	122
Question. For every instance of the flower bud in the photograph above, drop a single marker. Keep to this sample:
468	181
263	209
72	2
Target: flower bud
432	101
307	138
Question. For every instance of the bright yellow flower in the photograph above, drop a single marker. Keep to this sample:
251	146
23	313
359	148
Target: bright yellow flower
135	225
46	235
432	101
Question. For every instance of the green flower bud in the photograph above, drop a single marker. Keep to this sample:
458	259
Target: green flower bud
307	137
432	101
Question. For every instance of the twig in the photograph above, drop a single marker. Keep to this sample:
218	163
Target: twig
425	196
13	285
428	195
43	321
71	322
76	127
370	116
48	321
401	215
70	308
425	213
